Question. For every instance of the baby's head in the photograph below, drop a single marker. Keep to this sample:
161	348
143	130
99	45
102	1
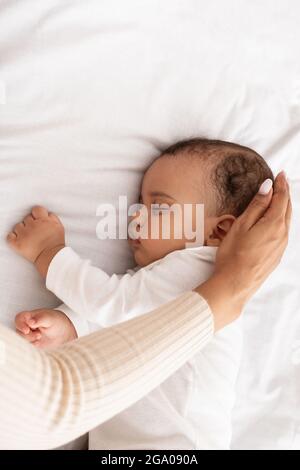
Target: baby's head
222	176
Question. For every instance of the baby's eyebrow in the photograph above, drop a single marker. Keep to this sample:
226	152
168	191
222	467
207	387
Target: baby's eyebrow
161	193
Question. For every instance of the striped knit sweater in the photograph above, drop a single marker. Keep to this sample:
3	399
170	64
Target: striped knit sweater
48	398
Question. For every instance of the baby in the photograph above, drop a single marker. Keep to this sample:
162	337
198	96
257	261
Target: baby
192	409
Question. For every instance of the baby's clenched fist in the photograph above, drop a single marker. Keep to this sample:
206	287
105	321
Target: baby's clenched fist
45	328
41	232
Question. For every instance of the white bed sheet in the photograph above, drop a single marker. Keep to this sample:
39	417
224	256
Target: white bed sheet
91	91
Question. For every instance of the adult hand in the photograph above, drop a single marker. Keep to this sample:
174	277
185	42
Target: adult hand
249	253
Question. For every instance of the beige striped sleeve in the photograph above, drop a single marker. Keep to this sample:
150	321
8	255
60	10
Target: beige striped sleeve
48	398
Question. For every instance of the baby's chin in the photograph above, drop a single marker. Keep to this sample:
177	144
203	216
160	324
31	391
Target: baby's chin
140	258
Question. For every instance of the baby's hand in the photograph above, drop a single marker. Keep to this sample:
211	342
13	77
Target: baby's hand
38	237
45	328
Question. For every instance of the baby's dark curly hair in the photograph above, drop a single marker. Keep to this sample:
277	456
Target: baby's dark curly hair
235	171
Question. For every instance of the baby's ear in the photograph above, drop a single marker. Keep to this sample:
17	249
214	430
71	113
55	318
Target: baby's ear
221	228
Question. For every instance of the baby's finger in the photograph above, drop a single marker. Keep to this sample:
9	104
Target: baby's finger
21	322
40	319
11	237
38	212
18	229
32	336
28	219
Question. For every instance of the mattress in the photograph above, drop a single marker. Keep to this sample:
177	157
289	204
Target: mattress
90	92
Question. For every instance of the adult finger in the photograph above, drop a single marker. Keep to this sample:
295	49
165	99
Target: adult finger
280	199
289	210
288	215
258	206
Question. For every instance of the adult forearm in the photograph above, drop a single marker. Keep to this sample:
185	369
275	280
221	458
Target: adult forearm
225	297
49	398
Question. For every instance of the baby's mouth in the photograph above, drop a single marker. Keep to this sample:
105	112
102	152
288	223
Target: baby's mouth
134	243
134	237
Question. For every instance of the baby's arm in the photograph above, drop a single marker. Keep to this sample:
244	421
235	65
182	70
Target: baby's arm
88	290
108	300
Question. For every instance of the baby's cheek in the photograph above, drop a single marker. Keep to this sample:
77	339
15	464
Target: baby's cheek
149	251
139	259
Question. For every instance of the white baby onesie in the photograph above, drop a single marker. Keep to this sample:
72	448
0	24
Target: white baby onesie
190	410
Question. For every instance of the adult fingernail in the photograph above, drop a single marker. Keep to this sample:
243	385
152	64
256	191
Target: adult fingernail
266	187
283	173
